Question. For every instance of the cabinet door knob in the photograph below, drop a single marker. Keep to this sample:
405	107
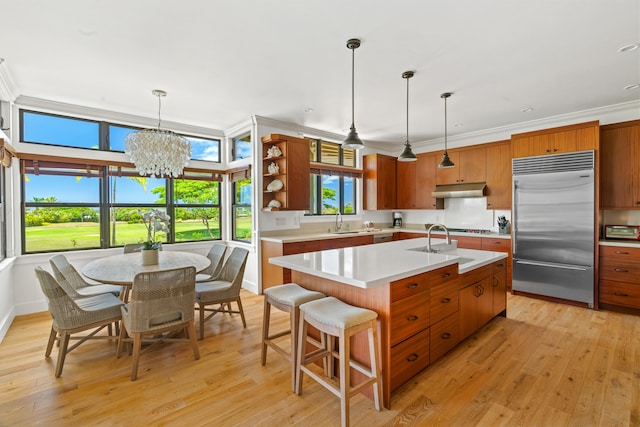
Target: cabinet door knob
620	294
445	336
445	300
620	270
412	318
412	285
412	357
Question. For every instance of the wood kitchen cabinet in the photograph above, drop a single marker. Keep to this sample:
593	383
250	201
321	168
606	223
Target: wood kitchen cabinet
499	291
619	274
619	165
496	244
498	189
470	166
273	275
379	183
564	139
416	182
290	169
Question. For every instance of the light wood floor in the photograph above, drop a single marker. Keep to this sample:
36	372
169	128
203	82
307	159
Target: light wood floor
546	364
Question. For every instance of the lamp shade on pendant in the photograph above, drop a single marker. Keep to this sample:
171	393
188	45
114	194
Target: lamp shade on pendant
407	155
352	141
446	161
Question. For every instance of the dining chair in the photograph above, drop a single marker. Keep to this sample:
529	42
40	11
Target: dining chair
70	316
161	302
223	289
73	283
216	256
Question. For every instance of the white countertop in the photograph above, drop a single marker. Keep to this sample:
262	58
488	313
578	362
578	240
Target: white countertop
291	238
372	265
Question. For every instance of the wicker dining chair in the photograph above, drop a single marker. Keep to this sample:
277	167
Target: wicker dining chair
223	289
161	302
216	256
70	316
73	283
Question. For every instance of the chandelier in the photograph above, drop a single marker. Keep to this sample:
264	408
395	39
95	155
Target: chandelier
158	152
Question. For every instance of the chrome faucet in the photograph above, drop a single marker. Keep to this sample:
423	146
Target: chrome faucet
446	231
338	224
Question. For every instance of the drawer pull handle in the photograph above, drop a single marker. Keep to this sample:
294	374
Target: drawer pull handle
496	282
412	285
445	300
412	357
412	318
500	265
620	294
622	253
446	275
445	336
620	270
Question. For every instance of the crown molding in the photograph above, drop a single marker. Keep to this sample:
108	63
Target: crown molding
8	88
45	105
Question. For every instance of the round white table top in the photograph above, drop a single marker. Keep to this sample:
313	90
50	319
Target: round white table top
121	269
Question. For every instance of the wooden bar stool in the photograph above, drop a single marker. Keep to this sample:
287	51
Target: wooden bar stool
335	318
287	298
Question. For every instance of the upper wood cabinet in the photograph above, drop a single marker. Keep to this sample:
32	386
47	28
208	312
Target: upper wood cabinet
499	175
285	175
619	165
470	166
564	139
379	184
416	182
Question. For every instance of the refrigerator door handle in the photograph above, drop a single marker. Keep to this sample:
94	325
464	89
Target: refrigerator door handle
549	264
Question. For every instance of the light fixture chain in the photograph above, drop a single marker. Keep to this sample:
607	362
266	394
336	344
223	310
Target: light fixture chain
445	124
159	107
407	109
353	92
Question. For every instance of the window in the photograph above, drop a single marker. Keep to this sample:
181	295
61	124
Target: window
71	206
241	207
50	129
333	188
241	147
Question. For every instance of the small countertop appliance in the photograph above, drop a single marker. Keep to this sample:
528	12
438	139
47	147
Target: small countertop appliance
397	220
623	232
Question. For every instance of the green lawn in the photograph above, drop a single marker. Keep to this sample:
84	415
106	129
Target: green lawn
79	235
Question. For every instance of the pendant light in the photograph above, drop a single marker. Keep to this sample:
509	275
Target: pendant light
446	161
407	155
352	141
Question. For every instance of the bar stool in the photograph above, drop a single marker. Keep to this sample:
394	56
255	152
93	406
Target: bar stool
337	319
287	298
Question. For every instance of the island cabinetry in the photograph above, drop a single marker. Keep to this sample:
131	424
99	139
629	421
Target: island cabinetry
499	291
476	299
619	166
564	139
379	183
416	182
273	275
285	173
498	189
500	245
445	332
619	274
470	166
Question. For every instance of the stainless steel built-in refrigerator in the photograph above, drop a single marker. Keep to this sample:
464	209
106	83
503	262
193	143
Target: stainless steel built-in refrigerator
554	225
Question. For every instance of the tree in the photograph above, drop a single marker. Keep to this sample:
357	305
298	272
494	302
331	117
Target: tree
140	180
328	194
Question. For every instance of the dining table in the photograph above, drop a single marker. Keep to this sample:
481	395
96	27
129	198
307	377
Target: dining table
121	269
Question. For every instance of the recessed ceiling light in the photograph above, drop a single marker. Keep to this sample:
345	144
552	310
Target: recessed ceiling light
527	110
629	47
458	125
308	110
635	86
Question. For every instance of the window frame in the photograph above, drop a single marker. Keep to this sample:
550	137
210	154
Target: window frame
235	205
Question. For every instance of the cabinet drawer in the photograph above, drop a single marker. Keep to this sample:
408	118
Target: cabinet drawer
620	252
466	242
409	316
497	245
444	335
345	242
620	270
619	294
409	287
408	358
301	247
443	300
474	276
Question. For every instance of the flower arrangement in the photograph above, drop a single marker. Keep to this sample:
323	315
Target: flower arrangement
155	221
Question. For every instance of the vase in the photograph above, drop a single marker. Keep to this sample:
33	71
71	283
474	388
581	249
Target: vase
149	256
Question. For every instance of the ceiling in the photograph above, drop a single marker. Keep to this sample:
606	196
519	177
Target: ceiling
222	61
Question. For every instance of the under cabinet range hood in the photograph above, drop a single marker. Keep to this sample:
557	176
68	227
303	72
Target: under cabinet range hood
450	191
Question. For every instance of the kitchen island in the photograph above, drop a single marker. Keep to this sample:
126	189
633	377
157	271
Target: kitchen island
426	302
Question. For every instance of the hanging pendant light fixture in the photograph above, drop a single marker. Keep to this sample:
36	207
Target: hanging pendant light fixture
158	152
352	141
446	161
407	155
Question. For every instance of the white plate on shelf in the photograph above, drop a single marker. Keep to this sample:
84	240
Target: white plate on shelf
275	185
